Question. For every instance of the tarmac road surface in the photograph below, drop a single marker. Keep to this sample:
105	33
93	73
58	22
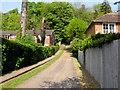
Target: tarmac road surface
61	74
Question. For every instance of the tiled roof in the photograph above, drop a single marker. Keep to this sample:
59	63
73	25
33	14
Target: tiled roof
9	32
110	17
48	32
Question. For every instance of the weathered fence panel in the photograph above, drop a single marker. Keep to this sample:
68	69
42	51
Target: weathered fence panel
94	63
104	64
119	64
81	57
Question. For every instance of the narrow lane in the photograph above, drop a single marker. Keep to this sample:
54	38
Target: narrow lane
61	74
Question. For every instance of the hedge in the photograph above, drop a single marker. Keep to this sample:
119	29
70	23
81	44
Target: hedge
16	55
97	40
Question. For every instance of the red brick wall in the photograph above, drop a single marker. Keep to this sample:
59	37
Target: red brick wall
98	28
91	30
117	27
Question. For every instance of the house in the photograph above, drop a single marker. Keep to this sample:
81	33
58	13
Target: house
108	23
49	36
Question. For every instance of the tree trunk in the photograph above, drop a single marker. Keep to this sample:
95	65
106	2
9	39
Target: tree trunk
23	16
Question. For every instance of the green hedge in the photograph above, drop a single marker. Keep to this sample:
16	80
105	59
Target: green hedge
16	55
98	40
75	45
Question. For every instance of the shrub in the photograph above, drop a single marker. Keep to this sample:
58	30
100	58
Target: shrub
98	40
75	45
16	55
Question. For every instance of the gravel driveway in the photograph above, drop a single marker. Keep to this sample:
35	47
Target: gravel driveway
61	74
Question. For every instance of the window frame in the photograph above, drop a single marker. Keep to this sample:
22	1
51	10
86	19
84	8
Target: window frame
13	36
109	27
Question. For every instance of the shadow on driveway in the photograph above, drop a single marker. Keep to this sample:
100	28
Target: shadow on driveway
67	83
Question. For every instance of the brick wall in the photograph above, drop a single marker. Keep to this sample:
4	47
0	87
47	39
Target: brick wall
98	27
91	30
118	27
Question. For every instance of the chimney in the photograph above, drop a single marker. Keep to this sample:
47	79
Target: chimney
23	16
118	5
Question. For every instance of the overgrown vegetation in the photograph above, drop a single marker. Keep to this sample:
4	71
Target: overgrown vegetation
75	45
97	40
16	55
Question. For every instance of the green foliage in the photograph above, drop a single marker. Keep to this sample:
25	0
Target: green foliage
19	34
11	20
76	29
75	45
16	55
97	11
84	13
28	39
105	7
98	40
57	14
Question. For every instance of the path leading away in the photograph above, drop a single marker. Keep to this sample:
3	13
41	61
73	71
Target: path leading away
61	74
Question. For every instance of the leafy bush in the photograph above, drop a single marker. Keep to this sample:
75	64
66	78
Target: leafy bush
75	45
16	55
98	40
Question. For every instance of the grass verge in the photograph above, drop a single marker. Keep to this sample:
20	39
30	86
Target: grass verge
19	80
85	78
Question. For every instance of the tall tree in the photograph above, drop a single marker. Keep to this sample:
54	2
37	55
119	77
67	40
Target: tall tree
58	15
23	16
97	11
11	20
76	29
105	7
84	13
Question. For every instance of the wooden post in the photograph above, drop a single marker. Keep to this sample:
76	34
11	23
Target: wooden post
23	16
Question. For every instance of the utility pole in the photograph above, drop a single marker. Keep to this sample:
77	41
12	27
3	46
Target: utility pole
118	5
23	16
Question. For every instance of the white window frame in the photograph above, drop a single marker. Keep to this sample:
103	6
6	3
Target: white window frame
13	36
39	37
46	45
47	36
109	27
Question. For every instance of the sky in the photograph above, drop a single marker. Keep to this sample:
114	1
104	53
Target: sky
7	5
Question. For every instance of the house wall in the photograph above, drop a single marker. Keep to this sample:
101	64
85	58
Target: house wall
52	39
91	30
98	28
103	64
11	38
117	27
47	41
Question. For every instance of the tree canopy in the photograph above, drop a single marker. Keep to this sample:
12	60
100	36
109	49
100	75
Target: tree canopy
67	20
76	28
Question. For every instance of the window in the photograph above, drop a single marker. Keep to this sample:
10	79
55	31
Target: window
47	36
46	45
97	32
39	37
14	36
109	28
